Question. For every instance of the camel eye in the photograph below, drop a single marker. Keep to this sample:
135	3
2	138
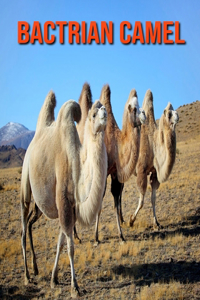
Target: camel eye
94	115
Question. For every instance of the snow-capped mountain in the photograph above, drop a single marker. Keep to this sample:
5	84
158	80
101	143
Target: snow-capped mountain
16	134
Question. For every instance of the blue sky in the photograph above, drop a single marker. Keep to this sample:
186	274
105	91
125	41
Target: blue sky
28	72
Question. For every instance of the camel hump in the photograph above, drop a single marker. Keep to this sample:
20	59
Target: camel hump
148	101
169	106
105	95
148	98
86	96
70	111
148	107
46	116
133	94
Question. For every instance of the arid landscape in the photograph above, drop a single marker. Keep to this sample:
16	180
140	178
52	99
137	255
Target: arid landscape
151	264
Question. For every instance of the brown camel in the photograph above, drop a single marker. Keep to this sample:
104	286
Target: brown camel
66	179
157	152
122	147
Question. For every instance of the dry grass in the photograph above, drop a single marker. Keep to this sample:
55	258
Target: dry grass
159	291
10	187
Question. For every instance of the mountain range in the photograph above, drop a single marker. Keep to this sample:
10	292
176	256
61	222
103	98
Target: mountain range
16	134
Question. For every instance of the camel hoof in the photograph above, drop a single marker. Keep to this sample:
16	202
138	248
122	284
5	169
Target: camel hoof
96	243
157	226
54	283
75	292
36	271
122	221
122	239
27	281
132	220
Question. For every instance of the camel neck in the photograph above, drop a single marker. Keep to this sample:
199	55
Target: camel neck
92	179
165	152
128	151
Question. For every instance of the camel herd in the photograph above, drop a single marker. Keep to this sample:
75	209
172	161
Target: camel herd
66	164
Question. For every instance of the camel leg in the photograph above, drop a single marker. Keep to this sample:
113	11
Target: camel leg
31	221
142	187
120	205
67	222
140	205
153	201
75	231
97	222
54	277
74	285
97	229
76	235
154	186
70	247
25	199
116	190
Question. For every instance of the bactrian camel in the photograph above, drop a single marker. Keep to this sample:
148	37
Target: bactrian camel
157	152
67	179
122	146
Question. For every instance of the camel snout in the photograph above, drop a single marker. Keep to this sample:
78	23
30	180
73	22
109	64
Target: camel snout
176	117
102	113
142	116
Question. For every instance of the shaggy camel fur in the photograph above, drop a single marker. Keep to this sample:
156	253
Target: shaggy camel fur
122	147
67	180
157	152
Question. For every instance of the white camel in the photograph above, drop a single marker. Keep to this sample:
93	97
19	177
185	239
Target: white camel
67	180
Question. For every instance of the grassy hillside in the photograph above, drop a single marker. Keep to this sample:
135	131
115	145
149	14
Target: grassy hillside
11	157
152	264
189	123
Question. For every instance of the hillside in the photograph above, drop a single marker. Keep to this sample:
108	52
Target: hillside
11	157
152	265
189	121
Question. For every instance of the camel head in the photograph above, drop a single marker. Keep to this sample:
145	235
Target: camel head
97	117
136	114
142	116
171	116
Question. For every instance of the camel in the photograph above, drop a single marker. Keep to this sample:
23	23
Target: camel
67	179
122	147
157	152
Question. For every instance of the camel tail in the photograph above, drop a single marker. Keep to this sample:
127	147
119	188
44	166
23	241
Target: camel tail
46	116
